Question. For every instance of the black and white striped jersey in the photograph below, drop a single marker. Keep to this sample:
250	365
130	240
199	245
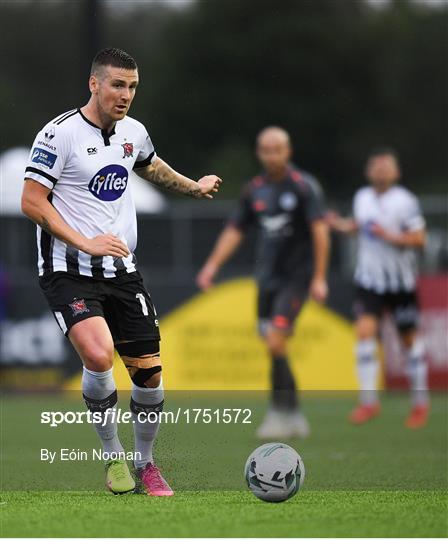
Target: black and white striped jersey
87	170
382	267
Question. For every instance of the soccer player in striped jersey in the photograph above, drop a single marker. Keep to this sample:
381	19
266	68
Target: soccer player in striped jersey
77	193
286	206
390	228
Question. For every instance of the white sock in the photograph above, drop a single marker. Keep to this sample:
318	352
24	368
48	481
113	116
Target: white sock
367	368
100	393
148	400
417	372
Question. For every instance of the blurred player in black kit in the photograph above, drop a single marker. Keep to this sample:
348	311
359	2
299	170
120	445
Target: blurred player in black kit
286	205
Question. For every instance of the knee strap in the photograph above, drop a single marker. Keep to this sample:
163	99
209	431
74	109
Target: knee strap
140	376
142	360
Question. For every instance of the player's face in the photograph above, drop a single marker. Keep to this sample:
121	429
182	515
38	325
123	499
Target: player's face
382	171
274	154
114	89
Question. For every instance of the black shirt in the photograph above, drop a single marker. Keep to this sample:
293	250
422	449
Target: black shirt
282	210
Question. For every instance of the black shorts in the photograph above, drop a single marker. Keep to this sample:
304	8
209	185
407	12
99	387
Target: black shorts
280	307
124	303
403	306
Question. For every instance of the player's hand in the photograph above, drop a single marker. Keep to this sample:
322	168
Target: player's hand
209	184
332	219
204	280
106	244
340	224
382	233
319	290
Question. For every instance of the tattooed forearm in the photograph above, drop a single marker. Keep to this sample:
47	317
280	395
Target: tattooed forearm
45	225
194	192
161	174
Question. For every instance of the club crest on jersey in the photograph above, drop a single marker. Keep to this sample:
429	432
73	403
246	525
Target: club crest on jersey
288	201
109	183
79	306
128	149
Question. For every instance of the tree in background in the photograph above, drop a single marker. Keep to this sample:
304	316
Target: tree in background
341	76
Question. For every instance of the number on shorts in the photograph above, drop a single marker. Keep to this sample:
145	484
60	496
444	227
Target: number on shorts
142	299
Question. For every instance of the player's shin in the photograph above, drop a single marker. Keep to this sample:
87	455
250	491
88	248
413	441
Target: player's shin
417	371
284	391
100	394
146	404
367	370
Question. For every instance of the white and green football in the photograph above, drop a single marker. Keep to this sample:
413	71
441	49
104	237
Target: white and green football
274	472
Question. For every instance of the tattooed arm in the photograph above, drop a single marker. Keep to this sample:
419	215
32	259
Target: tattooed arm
35	205
162	175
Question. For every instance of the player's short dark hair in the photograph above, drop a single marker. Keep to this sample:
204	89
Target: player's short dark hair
113	57
384	151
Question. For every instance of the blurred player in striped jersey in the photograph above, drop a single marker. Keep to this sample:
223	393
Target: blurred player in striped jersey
286	205
390	228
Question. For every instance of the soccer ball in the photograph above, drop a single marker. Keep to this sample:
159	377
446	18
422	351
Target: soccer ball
274	472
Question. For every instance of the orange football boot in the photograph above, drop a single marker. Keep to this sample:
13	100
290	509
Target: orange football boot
363	413
418	417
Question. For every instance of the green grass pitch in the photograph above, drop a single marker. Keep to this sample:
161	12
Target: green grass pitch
374	480
189	514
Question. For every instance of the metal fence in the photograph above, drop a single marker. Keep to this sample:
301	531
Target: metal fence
172	246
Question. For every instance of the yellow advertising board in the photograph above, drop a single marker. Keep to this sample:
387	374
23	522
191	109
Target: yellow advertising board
211	343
